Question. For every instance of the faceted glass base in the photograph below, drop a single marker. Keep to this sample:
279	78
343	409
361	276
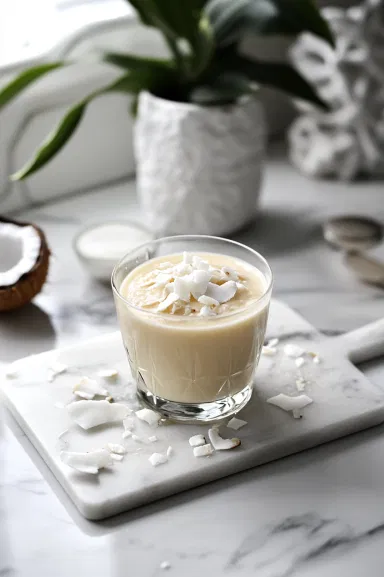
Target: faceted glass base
197	412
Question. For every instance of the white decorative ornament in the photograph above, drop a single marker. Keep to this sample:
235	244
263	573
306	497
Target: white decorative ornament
198	168
349	139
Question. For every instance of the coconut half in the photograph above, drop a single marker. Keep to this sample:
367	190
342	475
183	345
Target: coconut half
24	261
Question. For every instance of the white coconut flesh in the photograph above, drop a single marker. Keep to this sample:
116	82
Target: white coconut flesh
20	250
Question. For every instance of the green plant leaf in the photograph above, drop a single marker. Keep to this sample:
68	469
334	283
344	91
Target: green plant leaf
25	79
55	141
277	75
224	89
231	19
305	16
138	63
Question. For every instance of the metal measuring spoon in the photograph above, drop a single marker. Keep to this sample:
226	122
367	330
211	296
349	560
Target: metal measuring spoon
353	235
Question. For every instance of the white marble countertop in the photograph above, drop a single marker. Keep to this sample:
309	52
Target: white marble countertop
314	514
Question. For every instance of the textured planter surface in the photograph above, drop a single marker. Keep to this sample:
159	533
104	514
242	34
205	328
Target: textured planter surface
198	168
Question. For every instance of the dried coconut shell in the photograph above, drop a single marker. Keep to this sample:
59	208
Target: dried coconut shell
30	284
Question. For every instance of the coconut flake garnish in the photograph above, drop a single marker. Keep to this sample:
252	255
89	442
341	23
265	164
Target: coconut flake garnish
148	416
197	440
165	565
88	414
316	360
300	384
209	301
157	459
199	280
87	462
221	293
167	302
220	444
288	403
162	279
89	388
268	351
116	448
230	273
203	450
293	351
273	343
182	288
236	423
299	362
108	374
206	312
199	263
169	452
153	439
126	434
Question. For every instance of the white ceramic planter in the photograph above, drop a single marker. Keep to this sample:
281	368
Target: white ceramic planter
198	168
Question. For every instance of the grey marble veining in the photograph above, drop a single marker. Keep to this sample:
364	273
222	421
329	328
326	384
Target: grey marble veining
317	513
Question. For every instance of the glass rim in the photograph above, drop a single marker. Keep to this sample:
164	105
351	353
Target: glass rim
191	237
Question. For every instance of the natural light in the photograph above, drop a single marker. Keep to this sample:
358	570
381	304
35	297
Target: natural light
29	29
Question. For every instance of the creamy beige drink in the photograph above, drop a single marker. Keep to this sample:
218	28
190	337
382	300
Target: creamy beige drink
193	325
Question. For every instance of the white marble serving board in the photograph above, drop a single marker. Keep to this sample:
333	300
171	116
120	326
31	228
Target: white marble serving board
344	402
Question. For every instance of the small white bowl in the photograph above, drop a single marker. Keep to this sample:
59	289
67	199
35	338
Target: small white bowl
100	246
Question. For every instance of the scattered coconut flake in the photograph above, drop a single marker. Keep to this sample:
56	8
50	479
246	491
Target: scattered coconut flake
273	343
182	288
169	451
268	351
230	273
299	362
152	439
11	372
157	459
126	434
293	351
88	388
87	462
116	448
165	565
197	440
220	444
288	403
236	423
206	312
117	457
240	285
209	301
129	423
108	374
59	405
88	414
316	360
203	450
297	413
166	303
148	416
222	293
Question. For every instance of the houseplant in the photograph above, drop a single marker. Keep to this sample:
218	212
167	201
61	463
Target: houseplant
199	137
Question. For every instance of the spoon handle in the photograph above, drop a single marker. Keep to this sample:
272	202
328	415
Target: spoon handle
366	269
